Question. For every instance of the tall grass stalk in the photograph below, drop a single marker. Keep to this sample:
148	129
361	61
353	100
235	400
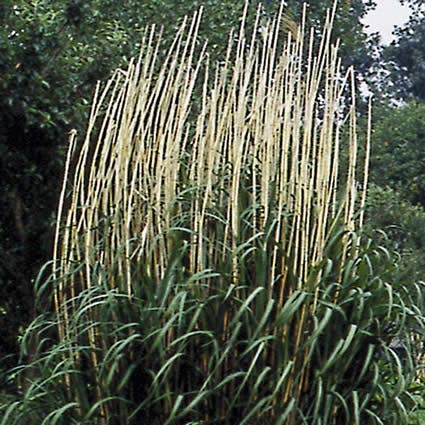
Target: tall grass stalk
207	263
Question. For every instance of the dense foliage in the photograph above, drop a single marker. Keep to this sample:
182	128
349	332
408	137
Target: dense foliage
398	152
399	229
406	56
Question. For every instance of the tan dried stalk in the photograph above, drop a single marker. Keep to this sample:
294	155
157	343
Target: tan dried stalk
272	108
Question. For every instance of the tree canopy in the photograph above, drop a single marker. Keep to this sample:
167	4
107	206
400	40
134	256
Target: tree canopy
406	58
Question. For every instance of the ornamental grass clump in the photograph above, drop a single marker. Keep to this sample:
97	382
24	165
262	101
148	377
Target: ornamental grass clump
208	267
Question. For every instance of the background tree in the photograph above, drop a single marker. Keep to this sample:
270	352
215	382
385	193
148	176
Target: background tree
398	159
396	202
406	56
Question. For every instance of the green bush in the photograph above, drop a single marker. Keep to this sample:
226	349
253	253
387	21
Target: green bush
401	224
398	156
198	349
